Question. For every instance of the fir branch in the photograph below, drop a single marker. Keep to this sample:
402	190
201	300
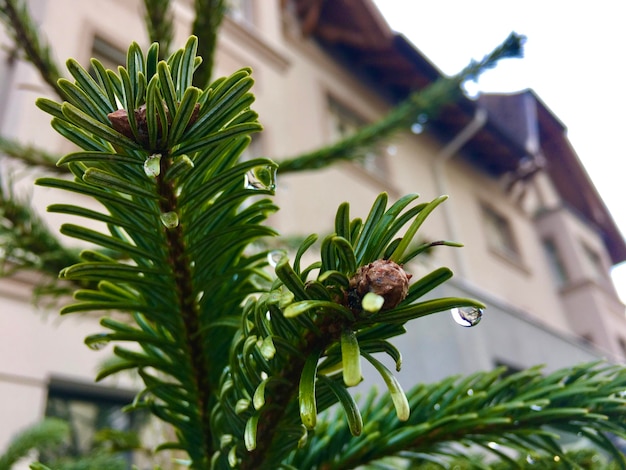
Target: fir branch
165	170
488	410
208	18
426	102
30	155
49	433
159	21
188	309
304	320
26	241
28	40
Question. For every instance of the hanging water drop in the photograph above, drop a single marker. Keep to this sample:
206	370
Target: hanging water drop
97	341
152	165
262	177
274	256
372	303
467	316
417	128
169	219
422	118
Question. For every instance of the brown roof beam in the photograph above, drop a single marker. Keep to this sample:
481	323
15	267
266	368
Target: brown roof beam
338	35
310	13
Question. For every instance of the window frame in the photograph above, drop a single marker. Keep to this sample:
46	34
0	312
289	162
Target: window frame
77	392
375	162
500	234
557	266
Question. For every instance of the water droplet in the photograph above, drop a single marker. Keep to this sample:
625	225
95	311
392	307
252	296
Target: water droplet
392	150
372	303
417	128
536	407
467	316
264	375
530	459
557	458
152	165
472	89
422	118
97	341
470	392
261	177
437	406
274	256
170	219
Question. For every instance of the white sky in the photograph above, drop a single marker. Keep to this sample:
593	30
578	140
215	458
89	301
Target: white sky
574	59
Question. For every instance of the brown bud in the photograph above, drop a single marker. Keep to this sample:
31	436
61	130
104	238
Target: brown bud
384	278
119	122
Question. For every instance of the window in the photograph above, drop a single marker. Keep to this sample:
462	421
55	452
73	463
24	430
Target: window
555	262
90	410
110	56
7	67
241	11
343	123
622	345
500	234
594	260
510	368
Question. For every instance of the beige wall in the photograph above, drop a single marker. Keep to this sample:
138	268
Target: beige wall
293	80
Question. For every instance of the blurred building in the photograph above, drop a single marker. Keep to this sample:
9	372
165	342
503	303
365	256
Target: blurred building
539	241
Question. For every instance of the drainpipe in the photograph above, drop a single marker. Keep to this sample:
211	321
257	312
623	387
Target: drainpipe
442	157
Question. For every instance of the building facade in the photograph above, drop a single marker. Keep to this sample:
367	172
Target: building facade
539	242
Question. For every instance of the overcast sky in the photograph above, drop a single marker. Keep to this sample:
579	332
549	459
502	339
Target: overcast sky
575	59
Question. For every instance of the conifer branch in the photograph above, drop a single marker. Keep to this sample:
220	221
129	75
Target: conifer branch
422	103
188	308
31	156
28	40
25	240
491	411
159	22
49	433
209	15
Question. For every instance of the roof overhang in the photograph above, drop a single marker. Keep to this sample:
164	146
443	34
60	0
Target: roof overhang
355	34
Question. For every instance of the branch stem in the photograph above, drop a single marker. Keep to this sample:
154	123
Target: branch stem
188	309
